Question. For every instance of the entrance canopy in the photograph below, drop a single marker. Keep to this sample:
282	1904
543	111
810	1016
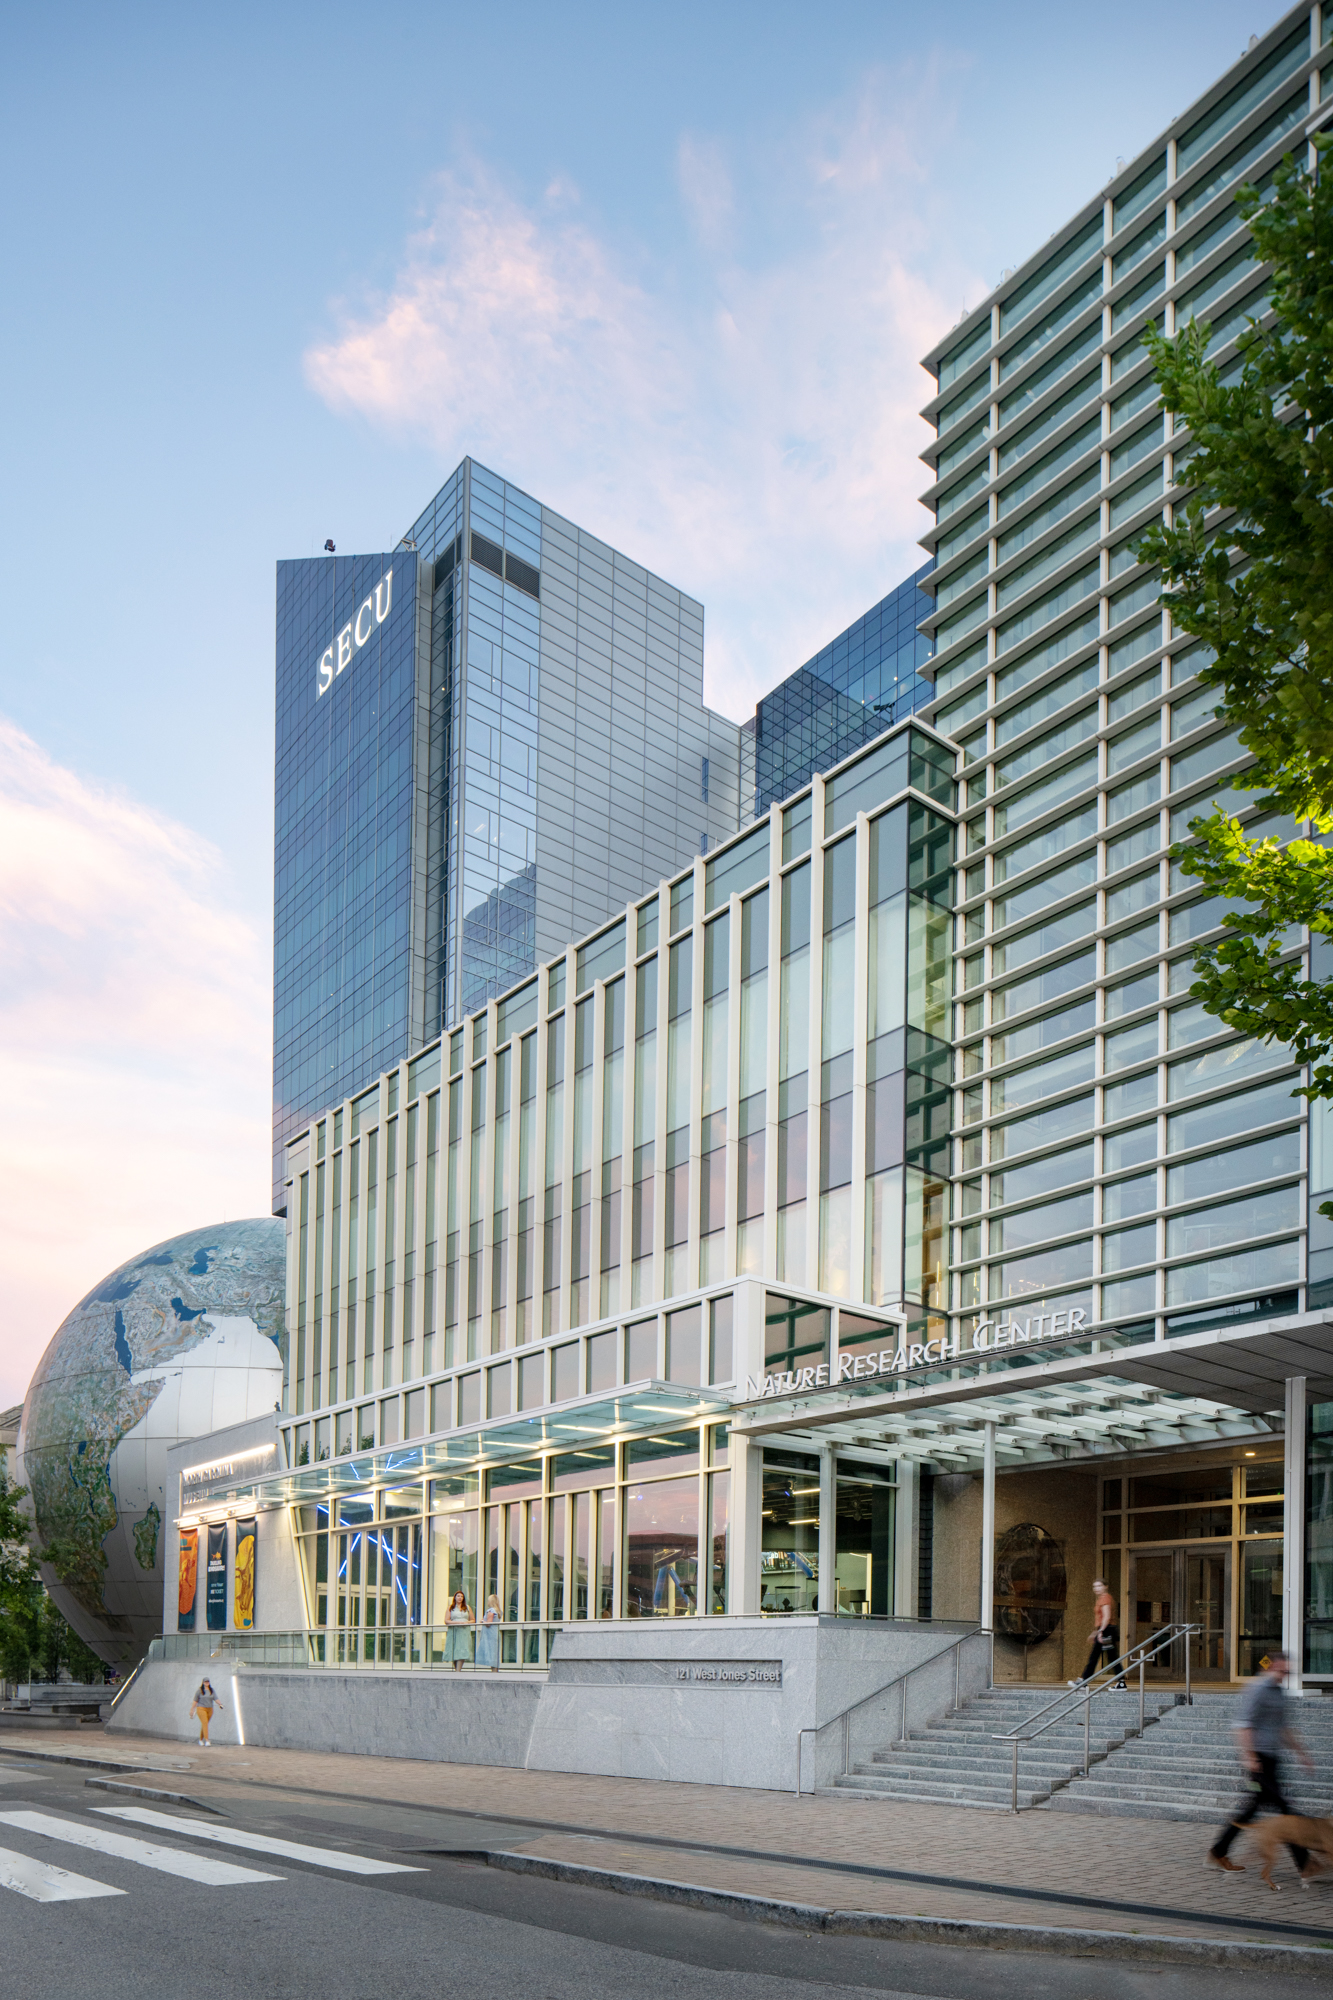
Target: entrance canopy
1201	1388
590	1420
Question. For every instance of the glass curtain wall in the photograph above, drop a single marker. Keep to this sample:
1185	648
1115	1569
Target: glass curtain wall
738	1126
1120	1153
561	1537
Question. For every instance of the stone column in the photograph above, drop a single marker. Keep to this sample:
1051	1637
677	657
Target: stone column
747	1473
988	1533
828	1529
907	1539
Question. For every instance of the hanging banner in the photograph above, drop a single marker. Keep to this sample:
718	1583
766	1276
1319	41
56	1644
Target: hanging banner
187	1579
243	1602
216	1578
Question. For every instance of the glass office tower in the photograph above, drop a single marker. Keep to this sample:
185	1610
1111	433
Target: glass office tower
487	740
853	689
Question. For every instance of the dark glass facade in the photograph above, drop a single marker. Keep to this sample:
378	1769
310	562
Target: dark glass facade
415	692
342	918
853	689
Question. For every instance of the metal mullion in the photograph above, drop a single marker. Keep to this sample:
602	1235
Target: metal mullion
596	1163
488	1181
380	1246
400	1214
856	1275
567	1140
814	1074
625	1269
703	1570
539	1157
463	1204
512	1206
769	1264
731	1196
696	1074
658	1282
415	1331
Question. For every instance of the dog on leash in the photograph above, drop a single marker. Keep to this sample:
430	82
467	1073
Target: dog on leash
1316	1835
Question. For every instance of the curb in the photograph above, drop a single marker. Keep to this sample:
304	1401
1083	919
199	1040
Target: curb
150	1792
84	1763
1045	1938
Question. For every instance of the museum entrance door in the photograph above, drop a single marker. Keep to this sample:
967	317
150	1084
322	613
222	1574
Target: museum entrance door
1176	1586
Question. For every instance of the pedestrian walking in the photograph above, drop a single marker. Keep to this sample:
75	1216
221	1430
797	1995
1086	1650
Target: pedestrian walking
205	1701
458	1643
1263	1727
1104	1636
488	1635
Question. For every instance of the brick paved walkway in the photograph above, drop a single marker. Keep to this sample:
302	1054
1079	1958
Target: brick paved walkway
1125	1874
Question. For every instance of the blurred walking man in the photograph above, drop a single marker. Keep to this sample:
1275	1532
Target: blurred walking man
1263	1727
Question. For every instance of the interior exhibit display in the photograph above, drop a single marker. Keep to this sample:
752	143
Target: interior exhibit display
181	1340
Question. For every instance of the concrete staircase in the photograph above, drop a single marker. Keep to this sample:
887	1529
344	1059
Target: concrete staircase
1185	1766
957	1762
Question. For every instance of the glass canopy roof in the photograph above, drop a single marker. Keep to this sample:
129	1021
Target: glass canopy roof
639	1407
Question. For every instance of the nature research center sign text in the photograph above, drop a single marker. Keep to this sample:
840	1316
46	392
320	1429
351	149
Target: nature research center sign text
991	1334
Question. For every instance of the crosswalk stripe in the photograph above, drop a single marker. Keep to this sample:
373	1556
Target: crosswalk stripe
43	1882
261	1843
168	1860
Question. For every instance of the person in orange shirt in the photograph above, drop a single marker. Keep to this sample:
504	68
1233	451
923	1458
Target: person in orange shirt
1105	1634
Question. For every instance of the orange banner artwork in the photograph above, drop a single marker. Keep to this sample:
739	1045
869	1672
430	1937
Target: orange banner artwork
189	1578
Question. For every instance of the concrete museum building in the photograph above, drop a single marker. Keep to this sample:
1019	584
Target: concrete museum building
845	1238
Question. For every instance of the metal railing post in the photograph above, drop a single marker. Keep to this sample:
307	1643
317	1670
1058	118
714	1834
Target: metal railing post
1143	1668
846	1742
1189	1699
902	1709
1015	1788
1087	1731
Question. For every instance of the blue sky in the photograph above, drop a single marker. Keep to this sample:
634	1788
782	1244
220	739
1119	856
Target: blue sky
269	272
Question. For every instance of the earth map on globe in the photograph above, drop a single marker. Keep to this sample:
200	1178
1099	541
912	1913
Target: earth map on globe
179	1341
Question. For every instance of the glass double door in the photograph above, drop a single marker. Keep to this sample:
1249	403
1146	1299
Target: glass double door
1177	1586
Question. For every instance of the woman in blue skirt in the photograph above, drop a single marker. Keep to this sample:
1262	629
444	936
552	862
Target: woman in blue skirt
488	1635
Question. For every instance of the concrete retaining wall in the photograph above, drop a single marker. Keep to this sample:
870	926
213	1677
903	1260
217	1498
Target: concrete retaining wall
716	1702
445	1718
617	1703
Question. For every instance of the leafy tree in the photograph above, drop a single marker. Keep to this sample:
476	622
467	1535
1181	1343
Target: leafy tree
1248	568
35	1641
21	1592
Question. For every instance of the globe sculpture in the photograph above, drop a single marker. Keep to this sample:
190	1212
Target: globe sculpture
178	1342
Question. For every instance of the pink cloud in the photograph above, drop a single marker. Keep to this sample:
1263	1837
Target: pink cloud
134	1041
751	434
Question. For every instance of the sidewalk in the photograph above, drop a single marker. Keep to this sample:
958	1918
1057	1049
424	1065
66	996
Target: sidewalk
1127	1875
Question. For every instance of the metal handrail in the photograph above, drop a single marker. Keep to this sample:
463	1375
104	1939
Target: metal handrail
125	1686
1136	1655
899	1681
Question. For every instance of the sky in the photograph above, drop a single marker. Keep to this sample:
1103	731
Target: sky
270	272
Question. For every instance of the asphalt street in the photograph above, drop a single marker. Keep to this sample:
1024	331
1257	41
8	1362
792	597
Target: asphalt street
105	1895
